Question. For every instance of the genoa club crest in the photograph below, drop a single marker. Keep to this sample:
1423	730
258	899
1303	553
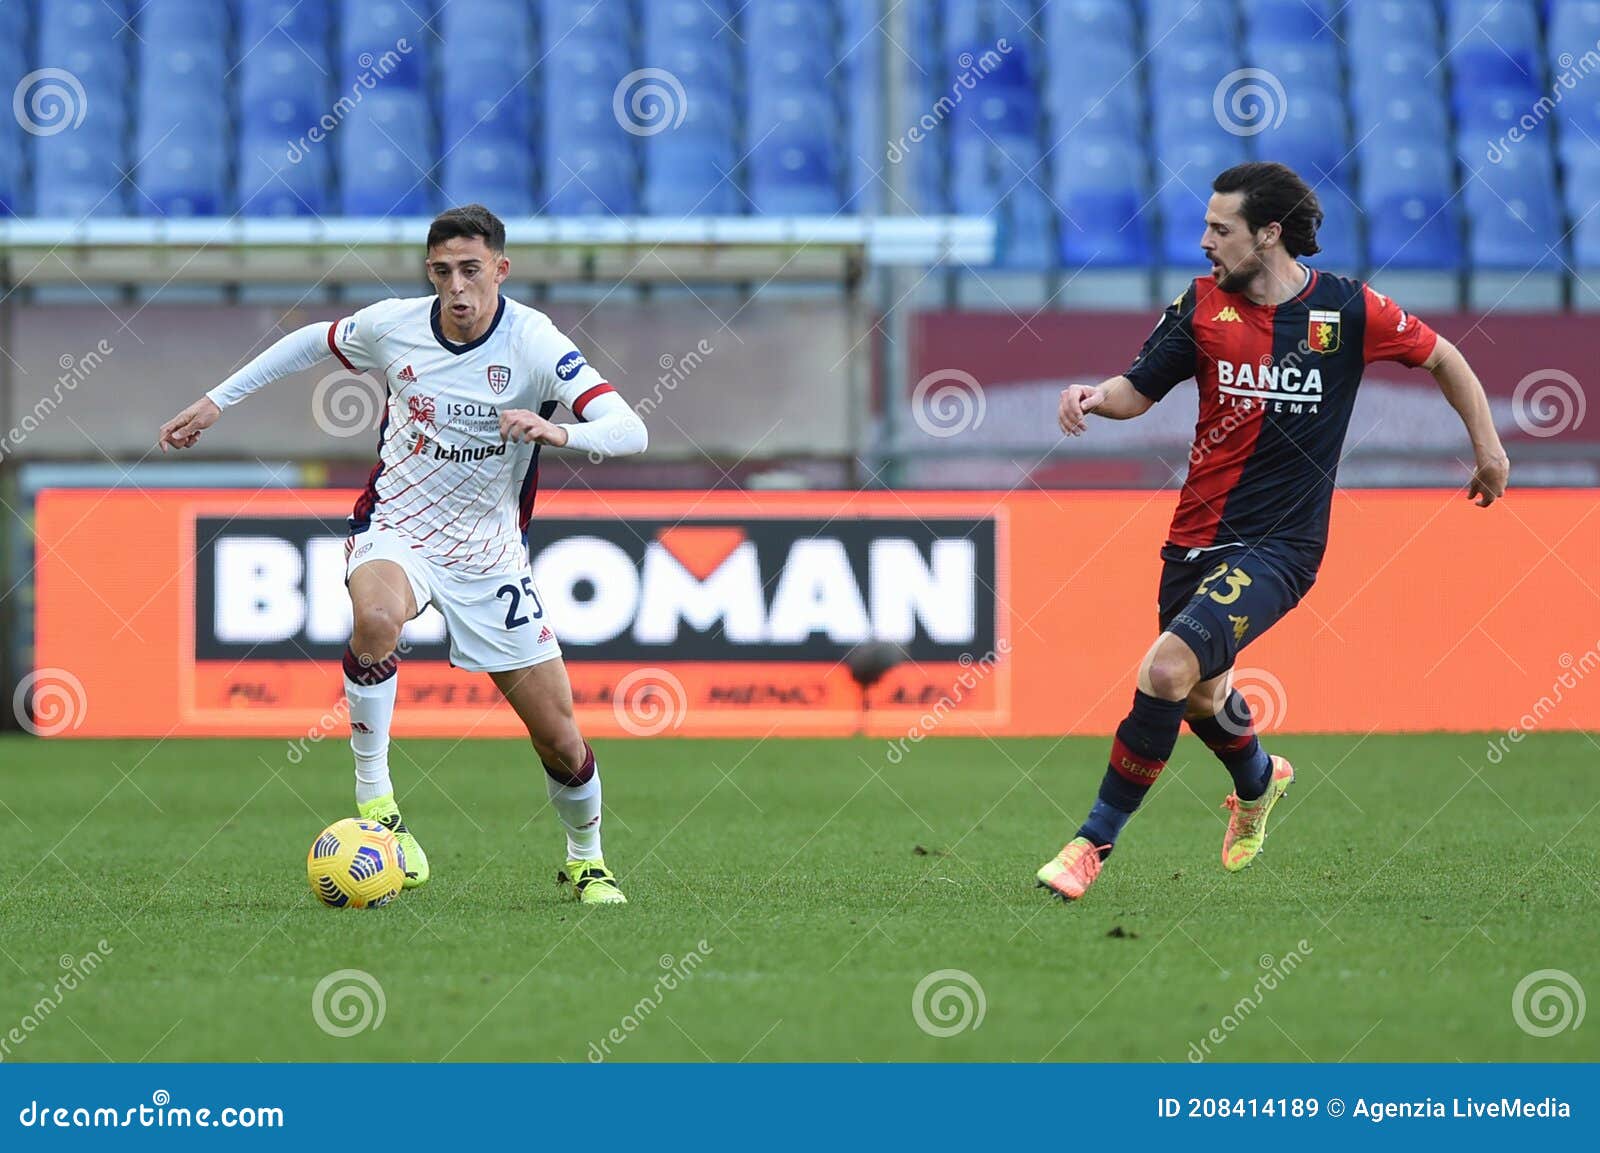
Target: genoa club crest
499	378
1322	333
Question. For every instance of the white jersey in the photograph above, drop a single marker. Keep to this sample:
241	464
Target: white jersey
445	480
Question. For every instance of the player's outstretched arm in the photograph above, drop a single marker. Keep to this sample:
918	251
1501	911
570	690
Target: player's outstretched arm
1115	399
1461	387
609	428
301	349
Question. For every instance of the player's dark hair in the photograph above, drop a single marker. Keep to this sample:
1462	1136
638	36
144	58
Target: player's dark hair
1274	193
466	222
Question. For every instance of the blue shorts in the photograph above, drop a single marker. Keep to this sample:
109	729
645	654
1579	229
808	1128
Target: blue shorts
1217	602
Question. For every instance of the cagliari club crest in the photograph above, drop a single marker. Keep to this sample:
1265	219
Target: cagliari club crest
499	378
1322	331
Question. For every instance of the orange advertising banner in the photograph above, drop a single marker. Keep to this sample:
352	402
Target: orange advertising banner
214	613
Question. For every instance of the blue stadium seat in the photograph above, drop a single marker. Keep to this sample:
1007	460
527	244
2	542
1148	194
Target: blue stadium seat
1025	230
507	22
1401	66
592	179
480	169
685	181
573	21
1340	235
1493	44
1411	168
794	171
1409	231
175	22
1313	138
302	22
1374	25
1400	117
1586	249
386	156
13	185
184	174
387	40
1517	236
1100	23
1313	66
74	179
1186	22
271	184
1292	21
1104	229
63	23
1574	29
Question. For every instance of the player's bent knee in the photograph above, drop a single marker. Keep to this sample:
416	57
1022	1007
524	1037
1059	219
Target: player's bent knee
375	631
1171	670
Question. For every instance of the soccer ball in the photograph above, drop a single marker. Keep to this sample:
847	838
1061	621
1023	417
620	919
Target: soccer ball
356	864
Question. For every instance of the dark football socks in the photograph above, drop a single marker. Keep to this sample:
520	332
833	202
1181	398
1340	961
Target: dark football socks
1143	743
1231	734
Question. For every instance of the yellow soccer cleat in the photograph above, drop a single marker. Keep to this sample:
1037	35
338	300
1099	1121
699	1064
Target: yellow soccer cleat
594	883
1247	827
1073	870
387	813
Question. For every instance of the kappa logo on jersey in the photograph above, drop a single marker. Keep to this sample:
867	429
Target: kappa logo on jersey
499	378
1322	331
407	376
567	367
1229	315
420	409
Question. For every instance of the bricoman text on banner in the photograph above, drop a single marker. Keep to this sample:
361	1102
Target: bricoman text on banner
651	591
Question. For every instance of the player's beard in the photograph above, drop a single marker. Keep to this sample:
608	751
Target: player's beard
1238	279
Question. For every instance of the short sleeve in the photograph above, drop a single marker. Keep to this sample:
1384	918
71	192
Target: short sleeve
354	341
560	371
1169	353
1392	333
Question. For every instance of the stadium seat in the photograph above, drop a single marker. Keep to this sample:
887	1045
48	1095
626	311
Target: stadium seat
1413	231
1420	168
480	169
273	184
386	41
183	174
74	179
794	171
1101	23
1170	23
1104	229
1313	138
1291	21
302	23
1340	235
1517	236
386	156
1374	25
594	178
170	23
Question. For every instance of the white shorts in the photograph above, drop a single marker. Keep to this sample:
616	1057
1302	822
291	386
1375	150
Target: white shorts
496	623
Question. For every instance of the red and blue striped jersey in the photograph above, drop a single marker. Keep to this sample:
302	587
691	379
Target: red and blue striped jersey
1277	387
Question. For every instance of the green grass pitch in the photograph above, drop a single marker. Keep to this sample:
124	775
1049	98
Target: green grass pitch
825	883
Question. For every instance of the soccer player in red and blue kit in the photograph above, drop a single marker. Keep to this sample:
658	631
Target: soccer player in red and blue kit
1277	349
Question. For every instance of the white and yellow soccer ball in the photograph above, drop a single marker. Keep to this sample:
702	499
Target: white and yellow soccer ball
356	864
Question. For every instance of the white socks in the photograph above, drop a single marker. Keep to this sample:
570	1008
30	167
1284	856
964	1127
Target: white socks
371	711
578	805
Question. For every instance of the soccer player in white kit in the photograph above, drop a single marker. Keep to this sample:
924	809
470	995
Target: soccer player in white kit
473	383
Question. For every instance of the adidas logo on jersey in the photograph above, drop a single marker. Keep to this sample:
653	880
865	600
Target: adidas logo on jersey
407	376
546	635
1228	315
